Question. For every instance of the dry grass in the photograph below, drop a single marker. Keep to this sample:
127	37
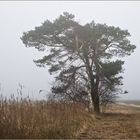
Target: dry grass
40	119
119	122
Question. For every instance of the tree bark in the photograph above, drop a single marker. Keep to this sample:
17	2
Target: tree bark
93	85
96	105
95	101
95	94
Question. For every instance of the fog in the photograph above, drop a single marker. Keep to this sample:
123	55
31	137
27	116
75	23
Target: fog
16	61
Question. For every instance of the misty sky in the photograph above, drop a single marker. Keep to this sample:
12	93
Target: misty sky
16	61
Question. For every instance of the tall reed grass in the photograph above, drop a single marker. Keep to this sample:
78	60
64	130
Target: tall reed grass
24	118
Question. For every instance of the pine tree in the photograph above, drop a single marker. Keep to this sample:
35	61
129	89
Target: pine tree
84	57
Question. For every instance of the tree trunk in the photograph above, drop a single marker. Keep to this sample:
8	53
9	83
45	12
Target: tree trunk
95	97
95	102
94	85
96	105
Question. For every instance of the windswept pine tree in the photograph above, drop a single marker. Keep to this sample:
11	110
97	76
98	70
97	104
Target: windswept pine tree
86	58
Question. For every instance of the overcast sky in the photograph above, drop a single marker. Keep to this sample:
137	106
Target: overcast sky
16	61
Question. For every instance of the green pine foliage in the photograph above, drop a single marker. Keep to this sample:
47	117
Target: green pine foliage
85	57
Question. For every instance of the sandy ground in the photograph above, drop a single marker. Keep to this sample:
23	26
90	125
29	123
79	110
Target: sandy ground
126	104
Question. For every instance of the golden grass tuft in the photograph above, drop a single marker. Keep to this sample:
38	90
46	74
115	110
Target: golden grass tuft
40	119
26	119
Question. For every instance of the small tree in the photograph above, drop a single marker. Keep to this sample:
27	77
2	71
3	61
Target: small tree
81	55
